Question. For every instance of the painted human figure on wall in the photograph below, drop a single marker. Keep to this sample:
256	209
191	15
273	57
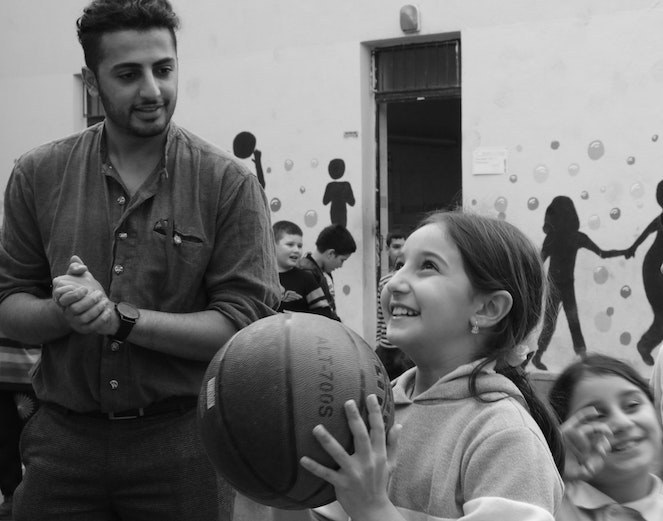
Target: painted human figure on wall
561	244
338	193
244	145
652	280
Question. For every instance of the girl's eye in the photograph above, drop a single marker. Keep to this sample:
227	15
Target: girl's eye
429	265
633	405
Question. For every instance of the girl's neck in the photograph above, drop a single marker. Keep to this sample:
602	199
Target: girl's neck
627	490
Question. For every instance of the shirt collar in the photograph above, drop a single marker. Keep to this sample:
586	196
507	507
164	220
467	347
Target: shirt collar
584	495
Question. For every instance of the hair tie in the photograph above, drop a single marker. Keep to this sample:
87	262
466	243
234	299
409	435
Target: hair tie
518	354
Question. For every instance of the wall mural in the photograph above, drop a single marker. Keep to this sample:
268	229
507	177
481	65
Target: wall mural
652	279
563	240
338	194
560	247
244	145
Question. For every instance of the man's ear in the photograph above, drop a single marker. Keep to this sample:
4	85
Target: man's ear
494	307
90	81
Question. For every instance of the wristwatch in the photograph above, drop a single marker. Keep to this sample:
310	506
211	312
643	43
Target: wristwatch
129	315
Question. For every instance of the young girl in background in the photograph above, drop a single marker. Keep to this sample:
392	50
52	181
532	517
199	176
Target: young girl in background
613	440
475	442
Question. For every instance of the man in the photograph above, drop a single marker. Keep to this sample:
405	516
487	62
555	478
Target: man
333	247
160	246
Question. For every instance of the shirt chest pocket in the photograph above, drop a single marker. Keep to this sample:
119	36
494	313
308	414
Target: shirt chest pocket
180	243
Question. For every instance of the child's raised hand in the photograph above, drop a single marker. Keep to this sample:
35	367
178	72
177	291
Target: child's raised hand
587	441
361	481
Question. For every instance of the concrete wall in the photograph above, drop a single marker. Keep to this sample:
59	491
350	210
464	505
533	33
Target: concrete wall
569	90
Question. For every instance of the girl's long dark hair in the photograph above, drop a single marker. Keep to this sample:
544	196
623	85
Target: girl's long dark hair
498	256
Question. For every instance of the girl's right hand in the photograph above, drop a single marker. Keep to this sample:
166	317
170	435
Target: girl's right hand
587	441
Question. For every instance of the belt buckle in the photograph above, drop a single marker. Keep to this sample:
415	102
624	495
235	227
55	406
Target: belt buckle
116	416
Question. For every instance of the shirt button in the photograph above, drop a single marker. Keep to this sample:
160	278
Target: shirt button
118	269
122	235
121	200
115	346
114	385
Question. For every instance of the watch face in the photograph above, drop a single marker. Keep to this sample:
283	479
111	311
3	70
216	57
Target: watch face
127	311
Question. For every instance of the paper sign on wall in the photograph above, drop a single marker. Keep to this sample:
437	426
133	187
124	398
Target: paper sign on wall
489	161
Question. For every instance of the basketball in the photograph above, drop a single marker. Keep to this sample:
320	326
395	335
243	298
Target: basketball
266	389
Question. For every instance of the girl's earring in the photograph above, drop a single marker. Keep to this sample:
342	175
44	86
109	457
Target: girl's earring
475	328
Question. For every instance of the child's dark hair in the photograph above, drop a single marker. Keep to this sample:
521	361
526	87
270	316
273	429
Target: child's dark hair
561	393
282	228
395	234
498	256
107	16
336	237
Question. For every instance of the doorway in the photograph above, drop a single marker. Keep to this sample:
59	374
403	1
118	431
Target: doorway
418	102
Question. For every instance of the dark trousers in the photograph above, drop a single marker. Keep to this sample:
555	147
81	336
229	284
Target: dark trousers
87	469
10	432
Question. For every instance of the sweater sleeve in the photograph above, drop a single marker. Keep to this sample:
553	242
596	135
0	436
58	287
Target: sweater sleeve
510	474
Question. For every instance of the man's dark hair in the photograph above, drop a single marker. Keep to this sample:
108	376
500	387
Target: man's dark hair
282	228
107	16
336	237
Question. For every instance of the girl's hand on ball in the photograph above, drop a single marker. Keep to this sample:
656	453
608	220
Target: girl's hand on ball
361	481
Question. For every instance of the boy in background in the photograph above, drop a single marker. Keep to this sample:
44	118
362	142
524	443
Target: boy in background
395	241
301	291
333	247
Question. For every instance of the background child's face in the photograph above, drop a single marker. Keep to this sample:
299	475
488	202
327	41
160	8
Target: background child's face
334	261
288	251
637	434
395	247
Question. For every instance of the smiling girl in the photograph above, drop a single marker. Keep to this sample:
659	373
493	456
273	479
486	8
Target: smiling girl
475	442
613	439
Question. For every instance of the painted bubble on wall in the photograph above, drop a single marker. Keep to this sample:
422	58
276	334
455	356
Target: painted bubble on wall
615	214
302	189
288	164
654	137
311	218
625	339
346	290
275	204
602	322
630	160
600	275
500	204
637	190
554	145
584	195
625	292
610	311
541	173
513	178
532	203
594	222
501	216
574	168
314	163
268	170
474	202
595	150
519	148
